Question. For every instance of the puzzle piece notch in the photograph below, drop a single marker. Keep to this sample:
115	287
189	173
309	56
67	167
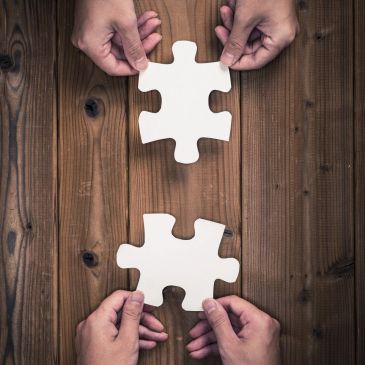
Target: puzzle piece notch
164	260
185	115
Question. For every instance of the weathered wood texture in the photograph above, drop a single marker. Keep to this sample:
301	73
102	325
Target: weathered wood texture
290	184
298	255
28	202
93	183
359	130
209	188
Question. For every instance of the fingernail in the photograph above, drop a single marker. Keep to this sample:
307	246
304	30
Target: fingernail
227	59
141	64
209	305
137	296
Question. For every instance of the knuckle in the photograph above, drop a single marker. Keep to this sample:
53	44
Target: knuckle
79	327
80	41
268	323
290	32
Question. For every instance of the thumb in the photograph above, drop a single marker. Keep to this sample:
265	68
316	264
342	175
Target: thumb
236	42
132	45
131	316
219	321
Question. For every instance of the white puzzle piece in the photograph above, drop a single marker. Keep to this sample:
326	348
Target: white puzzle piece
185	115
164	260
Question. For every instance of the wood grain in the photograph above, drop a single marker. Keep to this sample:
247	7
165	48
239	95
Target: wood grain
298	256
359	127
209	188
93	183
28	204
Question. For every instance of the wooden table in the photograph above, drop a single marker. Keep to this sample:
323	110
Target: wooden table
75	181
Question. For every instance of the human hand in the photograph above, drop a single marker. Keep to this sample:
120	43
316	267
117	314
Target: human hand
110	34
116	330
255	32
237	331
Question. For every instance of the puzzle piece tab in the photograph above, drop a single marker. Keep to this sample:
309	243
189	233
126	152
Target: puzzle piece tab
164	260
185	115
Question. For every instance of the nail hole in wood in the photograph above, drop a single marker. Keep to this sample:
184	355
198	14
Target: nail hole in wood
91	108
6	62
89	258
319	35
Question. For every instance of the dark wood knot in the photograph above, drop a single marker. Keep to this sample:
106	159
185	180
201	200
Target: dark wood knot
89	258
325	167
6	62
317	332
91	108
304	296
303	5
28	226
228	232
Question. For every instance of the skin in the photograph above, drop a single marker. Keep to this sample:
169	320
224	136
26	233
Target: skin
237	331
109	32
229	327
254	32
115	332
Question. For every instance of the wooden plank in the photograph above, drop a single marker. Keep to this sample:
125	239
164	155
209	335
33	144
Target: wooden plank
28	204
359	79
93	183
297	188
209	188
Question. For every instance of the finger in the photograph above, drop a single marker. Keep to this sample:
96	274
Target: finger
219	321
151	322
250	47
234	319
201	341
206	351
147	15
109	307
147	345
132	45
147	334
148	28
234	47
113	66
148	308
227	16
200	329
243	309
131	316
150	42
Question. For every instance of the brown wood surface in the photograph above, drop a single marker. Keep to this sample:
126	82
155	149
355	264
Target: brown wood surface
28	201
359	130
290	184
298	188
93	184
209	188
